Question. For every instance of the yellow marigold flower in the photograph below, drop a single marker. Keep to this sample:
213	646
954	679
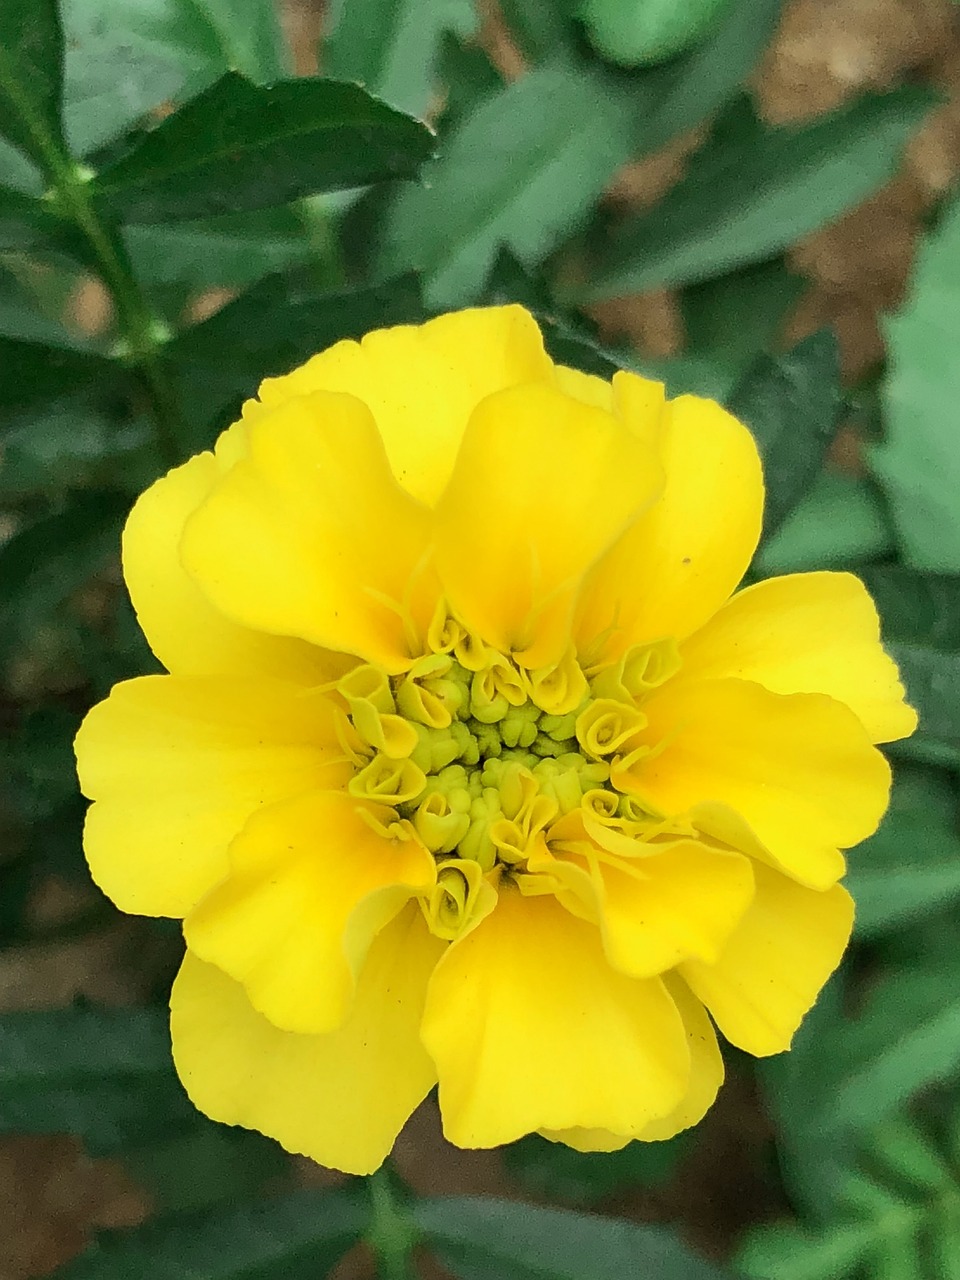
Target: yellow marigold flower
470	767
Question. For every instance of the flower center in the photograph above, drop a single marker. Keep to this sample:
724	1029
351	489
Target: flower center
484	758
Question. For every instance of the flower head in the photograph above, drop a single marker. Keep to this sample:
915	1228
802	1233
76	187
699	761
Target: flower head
470	767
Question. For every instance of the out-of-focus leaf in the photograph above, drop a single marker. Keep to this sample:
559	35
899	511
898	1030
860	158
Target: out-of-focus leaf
467	76
932	678
731	320
239	145
24	222
32	371
38	763
841	523
70	444
581	1178
912	865
271	329
104	1075
480	1239
126	57
205	1164
300	1236
755	189
919	463
31	76
45	562
793	1252
640	34
522	170
539	27
392	47
792	405
231	252
920	608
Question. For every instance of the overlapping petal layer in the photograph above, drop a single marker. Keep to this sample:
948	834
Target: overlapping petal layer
340	1098
176	765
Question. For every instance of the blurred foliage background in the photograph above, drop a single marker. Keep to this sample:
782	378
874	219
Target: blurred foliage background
751	199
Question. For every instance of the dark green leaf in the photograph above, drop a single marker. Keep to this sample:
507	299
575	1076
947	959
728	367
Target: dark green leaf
754	190
232	251
792	405
104	1075
932	678
392	47
539	27
39	765
480	1239
841	523
24	221
32	371
238	145
293	1237
271	329
31	76
581	1178
640	34
467	76
919	463
920	608
791	1252
45	562
730	320
912	864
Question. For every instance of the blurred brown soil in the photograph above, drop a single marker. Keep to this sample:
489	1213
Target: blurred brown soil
52	1196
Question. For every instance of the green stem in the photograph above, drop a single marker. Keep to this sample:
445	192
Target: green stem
392	1235
143	332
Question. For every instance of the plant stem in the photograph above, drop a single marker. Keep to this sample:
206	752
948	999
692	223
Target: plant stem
392	1235
143	332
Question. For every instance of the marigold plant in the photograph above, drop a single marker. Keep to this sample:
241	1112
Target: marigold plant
473	767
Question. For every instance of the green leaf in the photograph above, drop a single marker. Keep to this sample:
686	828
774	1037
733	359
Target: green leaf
392	47
125	57
24	221
232	251
918	464
239	146
300	1236
480	1239
42	564
104	1075
791	1252
841	523
731	320
558	1172
932	678
912	865
32	371
639	34
754	190
31	76
920	608
560	134
271	329
792	404
539	27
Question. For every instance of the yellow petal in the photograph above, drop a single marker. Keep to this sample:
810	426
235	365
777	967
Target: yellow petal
310	885
656	911
184	630
799	770
706	1077
311	536
706	1073
542	485
531	1029
772	969
423	382
176	764
340	1098
680	561
807	633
